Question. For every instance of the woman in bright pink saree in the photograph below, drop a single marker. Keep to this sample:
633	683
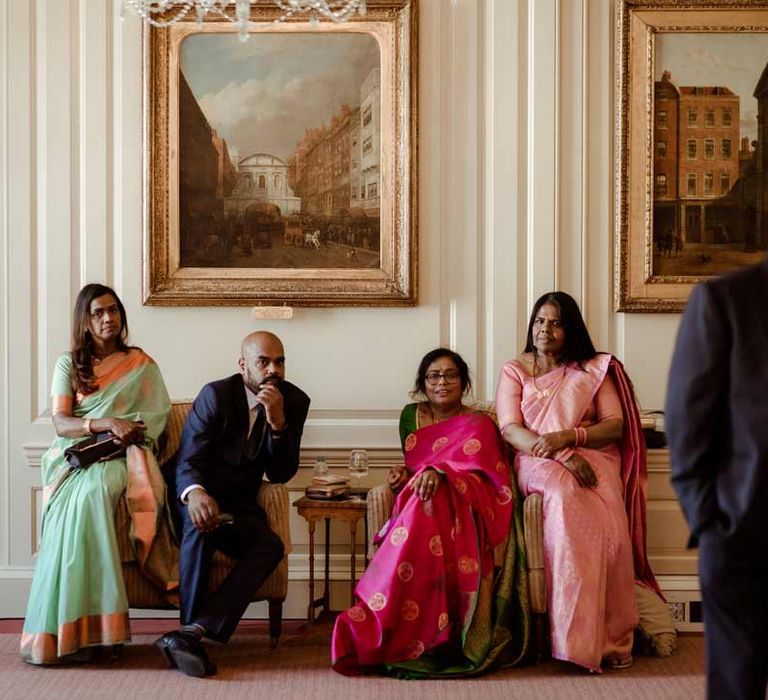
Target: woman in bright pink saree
429	603
571	416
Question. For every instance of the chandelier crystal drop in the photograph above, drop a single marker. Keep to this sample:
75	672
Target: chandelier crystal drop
164	13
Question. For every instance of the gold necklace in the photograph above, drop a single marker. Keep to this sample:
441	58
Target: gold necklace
541	393
440	420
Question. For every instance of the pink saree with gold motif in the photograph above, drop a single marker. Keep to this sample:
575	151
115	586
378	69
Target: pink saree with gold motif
420	592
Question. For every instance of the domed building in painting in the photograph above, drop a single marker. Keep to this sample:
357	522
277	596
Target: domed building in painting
262	177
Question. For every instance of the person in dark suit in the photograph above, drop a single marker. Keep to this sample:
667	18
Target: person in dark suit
717	425
239	429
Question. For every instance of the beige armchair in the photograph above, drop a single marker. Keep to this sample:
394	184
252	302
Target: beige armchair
273	498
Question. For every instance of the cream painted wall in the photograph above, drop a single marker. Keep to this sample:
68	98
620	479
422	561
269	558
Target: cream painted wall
516	192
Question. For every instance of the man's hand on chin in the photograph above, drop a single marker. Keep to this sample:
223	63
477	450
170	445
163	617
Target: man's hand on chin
272	400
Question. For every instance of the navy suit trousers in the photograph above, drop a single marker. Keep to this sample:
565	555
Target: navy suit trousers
258	551
734	584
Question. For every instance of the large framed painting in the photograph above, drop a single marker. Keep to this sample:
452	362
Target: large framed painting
282	170
691	144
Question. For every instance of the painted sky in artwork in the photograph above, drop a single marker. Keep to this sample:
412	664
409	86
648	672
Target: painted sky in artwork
261	95
730	60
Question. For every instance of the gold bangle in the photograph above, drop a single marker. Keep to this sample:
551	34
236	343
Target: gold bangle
87	426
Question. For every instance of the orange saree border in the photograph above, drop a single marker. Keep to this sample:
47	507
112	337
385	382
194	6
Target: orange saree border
47	648
105	373
114	367
150	534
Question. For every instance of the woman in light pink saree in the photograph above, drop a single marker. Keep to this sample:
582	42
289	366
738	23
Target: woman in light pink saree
570	414
429	602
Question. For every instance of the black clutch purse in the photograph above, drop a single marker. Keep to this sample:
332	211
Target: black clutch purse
97	448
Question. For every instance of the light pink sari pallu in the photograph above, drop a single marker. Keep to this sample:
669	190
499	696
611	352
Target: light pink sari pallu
420	590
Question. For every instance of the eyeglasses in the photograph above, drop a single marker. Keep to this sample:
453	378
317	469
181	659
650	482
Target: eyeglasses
450	376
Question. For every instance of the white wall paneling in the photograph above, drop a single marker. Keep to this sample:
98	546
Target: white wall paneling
570	144
19	301
503	188
5	360
93	134
596	171
543	177
515	182
461	156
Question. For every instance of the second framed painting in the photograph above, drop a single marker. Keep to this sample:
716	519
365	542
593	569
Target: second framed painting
282	169
692	146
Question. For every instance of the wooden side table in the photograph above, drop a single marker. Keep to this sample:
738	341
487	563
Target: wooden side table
312	510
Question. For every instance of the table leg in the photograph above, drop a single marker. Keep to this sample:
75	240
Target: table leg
311	610
352	536
327	592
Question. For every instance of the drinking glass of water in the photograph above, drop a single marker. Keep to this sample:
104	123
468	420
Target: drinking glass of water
358	466
321	466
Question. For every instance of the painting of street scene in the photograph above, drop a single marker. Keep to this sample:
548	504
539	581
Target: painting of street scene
710	152
279	151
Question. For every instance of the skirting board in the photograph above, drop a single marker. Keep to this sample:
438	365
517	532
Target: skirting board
682	593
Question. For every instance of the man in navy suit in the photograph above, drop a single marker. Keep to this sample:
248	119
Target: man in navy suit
717	424
239	429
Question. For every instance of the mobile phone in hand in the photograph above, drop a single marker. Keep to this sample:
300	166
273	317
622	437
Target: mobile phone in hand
226	519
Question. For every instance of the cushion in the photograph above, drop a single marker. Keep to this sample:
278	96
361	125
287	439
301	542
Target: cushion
655	633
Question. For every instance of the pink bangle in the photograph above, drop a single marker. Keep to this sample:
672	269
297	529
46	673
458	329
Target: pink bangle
581	436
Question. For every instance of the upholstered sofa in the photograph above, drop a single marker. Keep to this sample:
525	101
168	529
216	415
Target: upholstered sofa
273	498
656	631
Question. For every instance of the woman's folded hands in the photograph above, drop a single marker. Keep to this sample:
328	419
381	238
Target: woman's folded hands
424	484
129	432
549	444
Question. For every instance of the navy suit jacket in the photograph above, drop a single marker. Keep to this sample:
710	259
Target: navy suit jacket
212	449
717	407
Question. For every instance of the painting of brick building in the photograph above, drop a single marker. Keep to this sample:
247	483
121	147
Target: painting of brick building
710	184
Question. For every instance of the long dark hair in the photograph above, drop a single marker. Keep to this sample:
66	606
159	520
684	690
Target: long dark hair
420	385
82	342
578	345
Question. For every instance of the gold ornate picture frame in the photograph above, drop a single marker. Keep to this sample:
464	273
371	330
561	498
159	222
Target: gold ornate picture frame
282	170
691	141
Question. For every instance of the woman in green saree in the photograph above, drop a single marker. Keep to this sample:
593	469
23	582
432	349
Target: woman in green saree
78	599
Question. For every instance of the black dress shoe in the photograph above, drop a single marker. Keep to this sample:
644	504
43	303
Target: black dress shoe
184	651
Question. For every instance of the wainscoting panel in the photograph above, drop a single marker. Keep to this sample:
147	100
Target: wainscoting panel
516	183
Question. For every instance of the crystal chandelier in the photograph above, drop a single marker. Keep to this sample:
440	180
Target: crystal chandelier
164	13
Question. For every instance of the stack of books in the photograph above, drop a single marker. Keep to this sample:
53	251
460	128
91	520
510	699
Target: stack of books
328	486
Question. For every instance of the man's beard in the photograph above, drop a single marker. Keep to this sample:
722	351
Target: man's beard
255	384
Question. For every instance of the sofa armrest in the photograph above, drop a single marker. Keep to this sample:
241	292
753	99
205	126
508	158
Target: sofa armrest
534	546
273	498
379	504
